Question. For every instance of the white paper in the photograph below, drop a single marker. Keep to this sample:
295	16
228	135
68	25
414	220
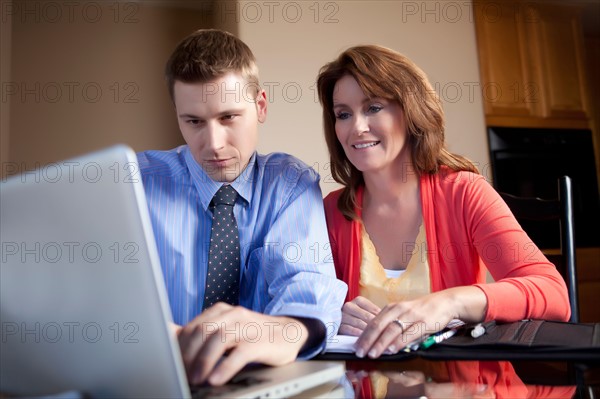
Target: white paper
341	344
345	343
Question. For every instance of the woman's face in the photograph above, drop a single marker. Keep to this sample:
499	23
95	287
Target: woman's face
372	131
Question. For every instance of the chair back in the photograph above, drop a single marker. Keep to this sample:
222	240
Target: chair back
561	209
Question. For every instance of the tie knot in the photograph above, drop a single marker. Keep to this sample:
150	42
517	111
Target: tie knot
225	196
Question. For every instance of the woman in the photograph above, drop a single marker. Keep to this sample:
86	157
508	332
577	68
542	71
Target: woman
414	226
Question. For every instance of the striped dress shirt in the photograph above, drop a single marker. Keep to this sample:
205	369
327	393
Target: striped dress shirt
286	263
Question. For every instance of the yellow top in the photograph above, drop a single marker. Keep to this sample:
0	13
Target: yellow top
412	283
379	384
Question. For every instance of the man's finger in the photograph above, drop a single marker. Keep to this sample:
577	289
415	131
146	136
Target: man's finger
209	354
230	365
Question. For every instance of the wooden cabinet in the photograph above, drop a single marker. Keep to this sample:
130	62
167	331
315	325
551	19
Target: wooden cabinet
588	276
531	57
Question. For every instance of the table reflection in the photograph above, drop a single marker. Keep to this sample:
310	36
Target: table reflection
446	379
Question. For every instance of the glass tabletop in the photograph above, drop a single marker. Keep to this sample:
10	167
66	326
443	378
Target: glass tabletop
421	378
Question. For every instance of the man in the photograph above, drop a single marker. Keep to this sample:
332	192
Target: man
273	248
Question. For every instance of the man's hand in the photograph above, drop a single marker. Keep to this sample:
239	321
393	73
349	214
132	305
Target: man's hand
243	336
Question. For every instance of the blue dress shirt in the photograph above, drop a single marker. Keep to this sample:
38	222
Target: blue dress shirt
286	263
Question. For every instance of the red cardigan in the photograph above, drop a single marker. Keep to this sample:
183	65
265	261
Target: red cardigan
468	227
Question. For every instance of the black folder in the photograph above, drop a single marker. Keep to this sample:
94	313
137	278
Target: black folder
522	340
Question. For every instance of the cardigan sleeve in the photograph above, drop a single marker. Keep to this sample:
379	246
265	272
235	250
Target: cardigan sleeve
333	228
345	244
526	284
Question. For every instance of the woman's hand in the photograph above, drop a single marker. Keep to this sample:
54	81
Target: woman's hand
401	323
356	314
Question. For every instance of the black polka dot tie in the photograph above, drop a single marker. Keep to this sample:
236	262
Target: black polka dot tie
222	278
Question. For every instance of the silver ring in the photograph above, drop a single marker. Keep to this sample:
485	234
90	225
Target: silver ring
400	323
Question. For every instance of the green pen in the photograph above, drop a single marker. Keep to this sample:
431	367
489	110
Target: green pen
437	338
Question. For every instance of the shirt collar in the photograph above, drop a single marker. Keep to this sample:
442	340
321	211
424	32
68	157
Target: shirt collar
207	187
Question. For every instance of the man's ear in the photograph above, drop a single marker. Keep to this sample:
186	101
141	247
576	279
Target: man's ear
261	106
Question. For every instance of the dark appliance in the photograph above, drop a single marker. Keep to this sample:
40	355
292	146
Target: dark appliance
528	162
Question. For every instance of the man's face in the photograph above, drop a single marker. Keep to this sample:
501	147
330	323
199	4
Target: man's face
219	122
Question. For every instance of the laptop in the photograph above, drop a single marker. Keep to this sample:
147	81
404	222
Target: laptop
83	305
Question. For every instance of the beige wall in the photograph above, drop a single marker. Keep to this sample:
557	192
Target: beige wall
120	49
293	39
90	74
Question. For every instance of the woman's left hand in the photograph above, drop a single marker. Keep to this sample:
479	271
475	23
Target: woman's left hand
401	323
